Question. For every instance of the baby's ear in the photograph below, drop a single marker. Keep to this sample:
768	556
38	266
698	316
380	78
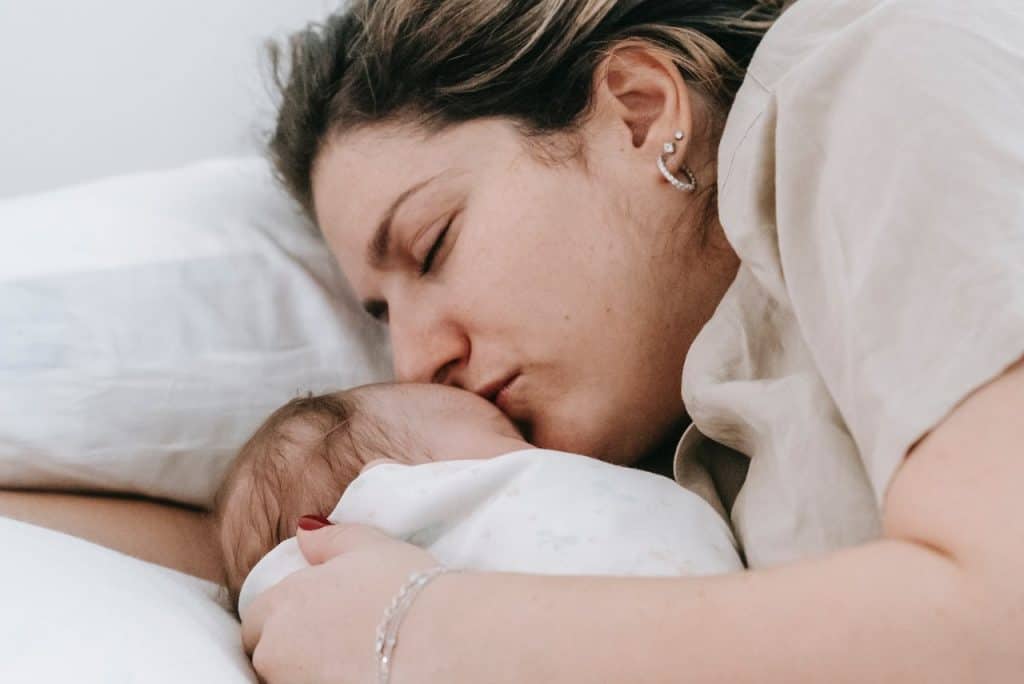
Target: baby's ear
375	462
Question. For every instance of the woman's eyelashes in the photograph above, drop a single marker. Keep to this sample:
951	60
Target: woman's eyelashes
428	260
378	308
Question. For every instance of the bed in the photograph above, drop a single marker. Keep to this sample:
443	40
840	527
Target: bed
159	295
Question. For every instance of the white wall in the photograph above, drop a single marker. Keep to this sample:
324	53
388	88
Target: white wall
90	88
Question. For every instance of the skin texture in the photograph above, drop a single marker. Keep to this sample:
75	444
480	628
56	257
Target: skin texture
443	423
589	280
174	536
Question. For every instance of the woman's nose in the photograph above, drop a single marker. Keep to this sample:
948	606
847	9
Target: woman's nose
425	349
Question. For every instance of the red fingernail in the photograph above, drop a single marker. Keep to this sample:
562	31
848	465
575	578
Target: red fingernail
313	522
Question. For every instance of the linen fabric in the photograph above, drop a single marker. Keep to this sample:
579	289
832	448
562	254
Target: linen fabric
74	611
872	183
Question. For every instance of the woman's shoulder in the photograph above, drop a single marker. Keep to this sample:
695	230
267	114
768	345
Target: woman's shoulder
824	51
869	181
860	76
831	36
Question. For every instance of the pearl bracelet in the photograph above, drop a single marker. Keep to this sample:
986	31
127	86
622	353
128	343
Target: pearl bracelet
387	631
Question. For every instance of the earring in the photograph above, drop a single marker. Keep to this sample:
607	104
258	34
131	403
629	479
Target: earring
669	149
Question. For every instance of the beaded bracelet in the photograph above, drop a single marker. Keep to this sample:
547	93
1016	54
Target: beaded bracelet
387	631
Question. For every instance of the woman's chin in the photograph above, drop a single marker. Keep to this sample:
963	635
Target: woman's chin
564	436
606	440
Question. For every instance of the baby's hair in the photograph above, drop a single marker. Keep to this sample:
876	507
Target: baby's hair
302	457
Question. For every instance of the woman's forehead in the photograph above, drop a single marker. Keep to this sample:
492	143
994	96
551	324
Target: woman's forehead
359	176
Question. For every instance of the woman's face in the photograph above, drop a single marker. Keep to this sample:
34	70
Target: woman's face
567	296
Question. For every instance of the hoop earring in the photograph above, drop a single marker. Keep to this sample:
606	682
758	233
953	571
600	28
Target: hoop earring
669	149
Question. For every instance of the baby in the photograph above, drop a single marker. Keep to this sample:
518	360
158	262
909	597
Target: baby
305	455
530	510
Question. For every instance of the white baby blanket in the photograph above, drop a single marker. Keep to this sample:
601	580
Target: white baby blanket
533	511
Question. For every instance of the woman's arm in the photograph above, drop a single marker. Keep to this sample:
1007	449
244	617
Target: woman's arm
173	536
939	599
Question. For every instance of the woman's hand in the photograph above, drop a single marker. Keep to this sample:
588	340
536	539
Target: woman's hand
319	625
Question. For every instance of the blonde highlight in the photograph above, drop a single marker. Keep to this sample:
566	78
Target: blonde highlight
437	63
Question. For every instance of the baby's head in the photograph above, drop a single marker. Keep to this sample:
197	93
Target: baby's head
308	451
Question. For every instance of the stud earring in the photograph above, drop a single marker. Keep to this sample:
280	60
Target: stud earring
668	150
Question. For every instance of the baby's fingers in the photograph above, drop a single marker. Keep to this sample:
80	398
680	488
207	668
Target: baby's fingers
322	545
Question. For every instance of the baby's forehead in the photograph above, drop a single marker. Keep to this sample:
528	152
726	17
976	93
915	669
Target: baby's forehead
421	398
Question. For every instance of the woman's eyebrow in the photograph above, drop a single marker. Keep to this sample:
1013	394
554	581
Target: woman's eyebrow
380	245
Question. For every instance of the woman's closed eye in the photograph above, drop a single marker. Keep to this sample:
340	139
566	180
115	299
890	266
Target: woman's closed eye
428	261
378	308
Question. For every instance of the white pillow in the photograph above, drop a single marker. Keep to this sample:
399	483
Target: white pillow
77	612
149	323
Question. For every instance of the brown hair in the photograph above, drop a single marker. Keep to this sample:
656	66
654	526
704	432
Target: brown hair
436	63
299	461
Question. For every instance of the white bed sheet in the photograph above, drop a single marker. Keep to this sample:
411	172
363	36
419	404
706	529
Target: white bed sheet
73	611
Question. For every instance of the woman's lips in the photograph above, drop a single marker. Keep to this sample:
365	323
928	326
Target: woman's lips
509	401
504	397
507	395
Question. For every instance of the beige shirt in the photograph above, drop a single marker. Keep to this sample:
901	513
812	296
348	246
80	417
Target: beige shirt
871	179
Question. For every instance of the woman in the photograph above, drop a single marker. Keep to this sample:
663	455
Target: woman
555	204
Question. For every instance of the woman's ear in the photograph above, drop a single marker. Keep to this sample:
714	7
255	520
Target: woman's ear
642	88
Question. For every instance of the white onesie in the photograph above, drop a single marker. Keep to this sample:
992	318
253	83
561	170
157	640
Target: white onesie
533	511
